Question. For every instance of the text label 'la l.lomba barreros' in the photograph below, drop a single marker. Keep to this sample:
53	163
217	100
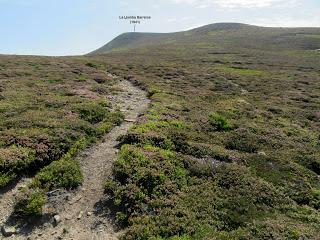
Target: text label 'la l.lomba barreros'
134	17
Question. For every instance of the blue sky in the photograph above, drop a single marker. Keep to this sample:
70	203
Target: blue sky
71	27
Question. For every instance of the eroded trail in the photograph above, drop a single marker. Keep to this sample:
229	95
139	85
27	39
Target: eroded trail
81	213
7	200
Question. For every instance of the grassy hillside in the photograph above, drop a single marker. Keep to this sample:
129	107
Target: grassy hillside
229	148
220	36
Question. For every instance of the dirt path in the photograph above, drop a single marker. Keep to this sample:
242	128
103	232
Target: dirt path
81	213
7	199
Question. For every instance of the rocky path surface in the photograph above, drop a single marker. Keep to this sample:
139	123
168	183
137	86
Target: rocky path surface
7	199
82	215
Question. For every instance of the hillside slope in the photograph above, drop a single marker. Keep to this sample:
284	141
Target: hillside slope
221	35
229	148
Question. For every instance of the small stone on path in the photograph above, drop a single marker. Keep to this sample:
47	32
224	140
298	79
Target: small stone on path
129	120
8	231
80	215
57	219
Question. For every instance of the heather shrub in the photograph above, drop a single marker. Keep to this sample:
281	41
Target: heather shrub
219	122
59	174
30	203
91	112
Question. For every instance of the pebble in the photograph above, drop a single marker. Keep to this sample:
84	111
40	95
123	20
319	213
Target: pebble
8	231
76	199
262	153
80	215
57	219
129	120
22	187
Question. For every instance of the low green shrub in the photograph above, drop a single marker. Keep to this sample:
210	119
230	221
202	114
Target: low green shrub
91	64
6	178
304	195
312	162
205	207
243	141
112	119
219	122
64	173
59	174
16	158
139	179
79	145
103	128
91	112
161	125
83	127
30	203
151	138
115	117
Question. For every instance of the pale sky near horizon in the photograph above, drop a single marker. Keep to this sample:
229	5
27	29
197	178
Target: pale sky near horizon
74	27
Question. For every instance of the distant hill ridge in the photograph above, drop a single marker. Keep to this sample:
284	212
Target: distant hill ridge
234	34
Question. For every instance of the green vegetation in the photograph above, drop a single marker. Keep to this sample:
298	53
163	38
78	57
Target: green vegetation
222	39
229	147
64	174
240	71
47	116
59	174
12	160
91	64
219	122
30	203
91	112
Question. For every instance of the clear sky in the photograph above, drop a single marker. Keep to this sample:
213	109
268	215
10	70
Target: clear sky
71	27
